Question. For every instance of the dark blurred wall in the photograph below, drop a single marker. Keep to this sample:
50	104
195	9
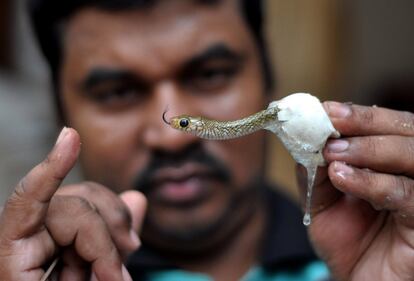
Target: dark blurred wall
5	34
379	47
26	120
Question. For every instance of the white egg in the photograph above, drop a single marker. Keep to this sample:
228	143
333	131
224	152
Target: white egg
303	127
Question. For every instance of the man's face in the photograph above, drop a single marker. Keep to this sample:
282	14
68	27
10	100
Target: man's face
122	69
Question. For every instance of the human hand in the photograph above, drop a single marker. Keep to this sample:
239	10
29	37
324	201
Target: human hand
122	214
37	223
363	204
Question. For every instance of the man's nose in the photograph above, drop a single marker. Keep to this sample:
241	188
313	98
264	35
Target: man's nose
158	134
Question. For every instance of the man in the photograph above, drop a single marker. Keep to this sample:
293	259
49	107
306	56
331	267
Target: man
117	65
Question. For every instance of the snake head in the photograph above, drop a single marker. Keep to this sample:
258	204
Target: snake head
186	123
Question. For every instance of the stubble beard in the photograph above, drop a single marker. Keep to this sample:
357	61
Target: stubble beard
203	239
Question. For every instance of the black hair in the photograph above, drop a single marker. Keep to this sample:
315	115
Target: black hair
47	17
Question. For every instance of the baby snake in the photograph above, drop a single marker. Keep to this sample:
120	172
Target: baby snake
224	130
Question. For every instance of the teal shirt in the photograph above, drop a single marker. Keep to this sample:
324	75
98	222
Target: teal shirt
314	271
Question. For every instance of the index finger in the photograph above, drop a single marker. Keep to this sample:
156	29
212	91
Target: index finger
26	208
358	120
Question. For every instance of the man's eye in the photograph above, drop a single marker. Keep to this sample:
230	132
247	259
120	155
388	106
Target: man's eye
211	78
116	95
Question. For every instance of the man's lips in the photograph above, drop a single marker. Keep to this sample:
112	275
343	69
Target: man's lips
182	185
181	192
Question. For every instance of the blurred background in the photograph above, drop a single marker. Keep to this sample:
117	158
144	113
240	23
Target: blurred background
347	50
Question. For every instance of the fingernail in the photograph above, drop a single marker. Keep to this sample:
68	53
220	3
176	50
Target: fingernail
337	146
125	274
62	135
342	170
134	238
339	110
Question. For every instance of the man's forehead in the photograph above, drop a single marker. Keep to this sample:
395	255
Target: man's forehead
153	20
170	30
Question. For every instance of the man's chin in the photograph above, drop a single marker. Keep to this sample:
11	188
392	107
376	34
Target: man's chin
185	239
191	231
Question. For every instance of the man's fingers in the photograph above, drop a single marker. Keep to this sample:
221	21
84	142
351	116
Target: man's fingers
388	154
137	205
73	221
42	181
382	191
125	273
354	120
112	209
73	267
26	207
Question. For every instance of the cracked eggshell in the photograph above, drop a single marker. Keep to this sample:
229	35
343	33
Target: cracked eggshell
303	126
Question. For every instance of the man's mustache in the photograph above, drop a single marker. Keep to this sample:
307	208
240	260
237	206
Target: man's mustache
192	154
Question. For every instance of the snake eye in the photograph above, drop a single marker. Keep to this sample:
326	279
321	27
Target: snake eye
184	123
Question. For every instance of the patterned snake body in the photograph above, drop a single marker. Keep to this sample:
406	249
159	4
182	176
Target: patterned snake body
224	130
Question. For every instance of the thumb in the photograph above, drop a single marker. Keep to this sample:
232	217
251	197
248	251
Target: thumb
26	208
137	205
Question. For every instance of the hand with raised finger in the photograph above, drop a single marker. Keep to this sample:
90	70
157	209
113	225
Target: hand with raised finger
32	231
363	223
123	225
